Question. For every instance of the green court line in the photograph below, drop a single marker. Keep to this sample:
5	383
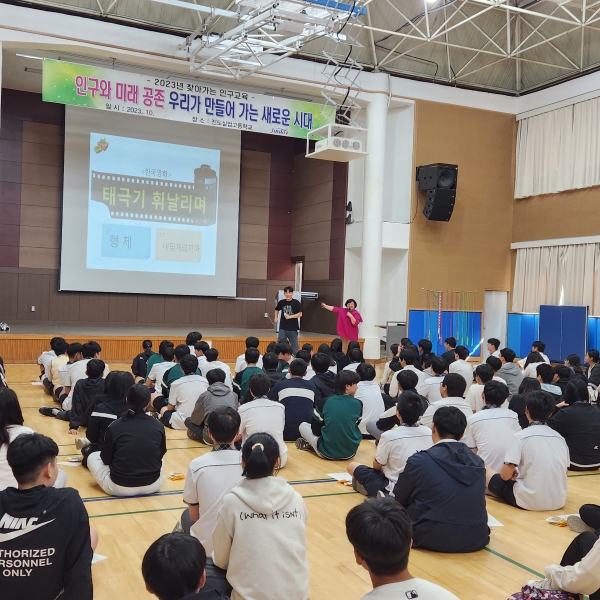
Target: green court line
335	494
514	562
584	475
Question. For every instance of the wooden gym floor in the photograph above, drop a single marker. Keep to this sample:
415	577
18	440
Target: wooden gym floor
518	551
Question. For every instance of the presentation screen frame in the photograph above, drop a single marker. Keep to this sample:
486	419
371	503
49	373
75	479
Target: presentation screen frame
76	275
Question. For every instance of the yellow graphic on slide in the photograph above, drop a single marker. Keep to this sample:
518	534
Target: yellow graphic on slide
178	245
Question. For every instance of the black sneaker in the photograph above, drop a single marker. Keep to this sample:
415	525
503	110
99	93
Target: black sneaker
302	444
359	487
48	411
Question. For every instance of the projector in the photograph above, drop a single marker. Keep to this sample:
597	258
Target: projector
339	149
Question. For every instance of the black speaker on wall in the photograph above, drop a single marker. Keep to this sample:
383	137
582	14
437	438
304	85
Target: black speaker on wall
439	181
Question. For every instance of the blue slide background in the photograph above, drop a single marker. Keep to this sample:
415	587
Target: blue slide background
130	156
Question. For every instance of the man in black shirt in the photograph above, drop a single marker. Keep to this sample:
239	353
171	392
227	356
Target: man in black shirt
46	545
291	312
450	345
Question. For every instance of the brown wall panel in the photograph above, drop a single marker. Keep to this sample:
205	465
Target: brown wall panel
10	214
252	269
39	258
10	150
316	318
251	159
33	290
151	309
10	171
44	133
203	310
42	154
40	216
250	196
40	237
9	256
8	293
122	308
41	195
11	129
10	193
93	307
42	175
251	233
9	235
64	306
178	309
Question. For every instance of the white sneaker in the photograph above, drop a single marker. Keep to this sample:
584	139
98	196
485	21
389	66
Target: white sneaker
576	524
540	584
81	443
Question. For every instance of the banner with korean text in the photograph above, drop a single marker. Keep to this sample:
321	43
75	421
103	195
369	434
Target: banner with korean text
179	100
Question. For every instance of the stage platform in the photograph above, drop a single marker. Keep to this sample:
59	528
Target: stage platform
25	343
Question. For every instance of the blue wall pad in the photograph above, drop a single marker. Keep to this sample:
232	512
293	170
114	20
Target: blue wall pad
564	330
522	330
464	326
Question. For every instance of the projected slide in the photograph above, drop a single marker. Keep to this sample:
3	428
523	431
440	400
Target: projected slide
152	206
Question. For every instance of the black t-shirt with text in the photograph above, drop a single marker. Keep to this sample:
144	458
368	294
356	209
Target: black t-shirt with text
293	307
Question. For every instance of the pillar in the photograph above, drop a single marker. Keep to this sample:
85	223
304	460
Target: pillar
373	224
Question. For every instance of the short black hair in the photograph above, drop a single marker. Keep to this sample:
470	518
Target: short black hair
455	384
215	376
594	355
540	405
173	566
394	349
259	384
28	454
344	378
408	356
546	372
252	342
95	368
168	353
450	422
283	348
406	342
74	348
96	346
60	347
462	351
54	341
192	338
574	360
88	350
562	371
298	367
541	346
575	391
251	355
163	345
188	364
366	372
529	384
270	361
508	355
485	373
407	379
425	345
495	393
320	362
271	347
439	364
304	355
308	347
451	341
355	355
147	344
288	288
223	423
211	354
494	342
201	347
335	346
494	362
533	357
181	350
410	407
380	531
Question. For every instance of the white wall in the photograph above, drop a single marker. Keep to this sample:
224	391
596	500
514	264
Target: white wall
394	279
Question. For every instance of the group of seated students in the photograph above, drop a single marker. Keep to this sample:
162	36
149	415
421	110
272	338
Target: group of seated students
446	436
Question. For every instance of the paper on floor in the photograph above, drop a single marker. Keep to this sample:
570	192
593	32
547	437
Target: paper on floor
492	522
98	558
36	383
69	464
340	476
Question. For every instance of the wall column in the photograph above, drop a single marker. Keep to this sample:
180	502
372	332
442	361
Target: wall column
373	224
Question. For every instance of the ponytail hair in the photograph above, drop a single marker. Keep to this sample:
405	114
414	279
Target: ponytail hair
138	398
259	455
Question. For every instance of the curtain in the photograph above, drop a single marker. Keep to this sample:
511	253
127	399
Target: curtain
559	150
559	275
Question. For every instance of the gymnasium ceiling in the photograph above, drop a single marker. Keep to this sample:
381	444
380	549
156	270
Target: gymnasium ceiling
504	46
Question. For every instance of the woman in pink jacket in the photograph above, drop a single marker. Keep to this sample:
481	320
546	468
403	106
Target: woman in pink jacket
348	319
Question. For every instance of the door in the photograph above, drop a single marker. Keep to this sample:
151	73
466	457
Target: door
495	314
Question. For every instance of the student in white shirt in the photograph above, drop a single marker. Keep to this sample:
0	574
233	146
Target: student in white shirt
78	371
199	349
474	397
380	531
534	475
356	358
438	366
395	447
538	347
306	357
493	346
461	366
192	338
240	361
408	360
155	377
387	371
490	431
452	390
184	394
263	415
496	364
369	393
52	381
212	363
45	357
211	476
531	364
74	354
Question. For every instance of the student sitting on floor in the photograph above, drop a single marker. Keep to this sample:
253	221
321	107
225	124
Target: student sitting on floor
408	359
545	375
270	364
217	394
263	415
407	381
90	350
579	424
490	431
381	534
213	362
284	357
251	358
240	361
324	378
75	354
52	380
509	371
474	397
443	489
432	392
369	393
518	401
297	397
452	390
157	358
174	568
84	395
107	408
355	356
130	461
390	369
532	361
51	521
191	339
461	366
305	355
333	432
45	358
562	377
534	475
175	372
139	366
155	375
184	393
200	349
263	515
394	449
212	475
